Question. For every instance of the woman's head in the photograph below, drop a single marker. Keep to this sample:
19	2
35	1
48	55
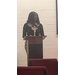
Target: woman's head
33	18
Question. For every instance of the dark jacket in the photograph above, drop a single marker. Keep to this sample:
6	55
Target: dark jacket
27	29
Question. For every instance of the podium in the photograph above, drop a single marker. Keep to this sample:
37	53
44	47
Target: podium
34	47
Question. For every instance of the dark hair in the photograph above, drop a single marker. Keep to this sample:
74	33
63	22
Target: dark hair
31	18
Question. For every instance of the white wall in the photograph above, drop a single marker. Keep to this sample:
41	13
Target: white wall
46	10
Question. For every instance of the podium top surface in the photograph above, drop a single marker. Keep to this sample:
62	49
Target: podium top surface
27	37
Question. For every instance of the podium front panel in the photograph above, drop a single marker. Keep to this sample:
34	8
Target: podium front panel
35	40
35	51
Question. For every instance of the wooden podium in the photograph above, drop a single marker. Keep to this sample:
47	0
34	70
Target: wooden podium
34	47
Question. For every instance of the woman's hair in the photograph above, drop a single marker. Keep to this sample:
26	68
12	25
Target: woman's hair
31	18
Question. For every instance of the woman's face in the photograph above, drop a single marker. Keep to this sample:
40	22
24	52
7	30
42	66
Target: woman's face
35	17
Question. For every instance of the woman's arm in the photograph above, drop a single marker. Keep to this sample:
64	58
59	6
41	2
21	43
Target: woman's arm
42	31
24	30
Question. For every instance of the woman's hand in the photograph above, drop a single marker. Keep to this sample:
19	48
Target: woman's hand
30	35
39	35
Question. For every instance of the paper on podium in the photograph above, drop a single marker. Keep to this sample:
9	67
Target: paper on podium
44	37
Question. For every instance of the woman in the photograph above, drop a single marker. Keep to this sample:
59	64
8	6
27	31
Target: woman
31	24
